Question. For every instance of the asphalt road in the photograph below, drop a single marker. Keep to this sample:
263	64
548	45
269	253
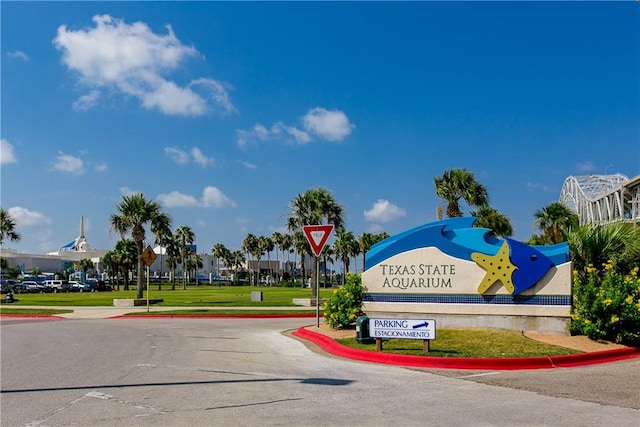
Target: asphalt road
246	372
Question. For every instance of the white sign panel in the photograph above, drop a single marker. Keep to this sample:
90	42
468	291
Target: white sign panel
418	329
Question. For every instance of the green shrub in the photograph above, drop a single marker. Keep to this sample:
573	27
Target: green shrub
345	303
288	284
607	305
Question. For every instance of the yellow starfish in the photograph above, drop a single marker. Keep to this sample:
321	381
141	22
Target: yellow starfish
499	268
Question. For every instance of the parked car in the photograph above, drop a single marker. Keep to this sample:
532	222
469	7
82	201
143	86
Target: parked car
20	288
7	285
79	286
57	285
34	287
99	285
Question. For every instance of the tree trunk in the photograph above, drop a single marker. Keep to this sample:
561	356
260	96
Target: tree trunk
140	271
160	282
314	277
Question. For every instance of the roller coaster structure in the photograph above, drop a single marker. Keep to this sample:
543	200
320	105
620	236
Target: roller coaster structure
601	199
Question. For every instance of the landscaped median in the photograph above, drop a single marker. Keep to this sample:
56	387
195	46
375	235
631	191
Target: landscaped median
471	363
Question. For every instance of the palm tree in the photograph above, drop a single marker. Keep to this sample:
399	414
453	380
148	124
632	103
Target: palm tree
365	241
277	238
286	245
460	184
218	250
236	260
251	246
266	246
108	260
374	239
184	237
490	218
592	244
126	254
7	227
345	246
173	259
301	247
555	220
162	230
134	212
316	206
327	257
194	263
85	265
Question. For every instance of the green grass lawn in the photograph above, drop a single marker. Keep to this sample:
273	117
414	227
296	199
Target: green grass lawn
469	343
194	296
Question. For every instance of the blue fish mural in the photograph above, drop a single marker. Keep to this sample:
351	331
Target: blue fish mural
515	265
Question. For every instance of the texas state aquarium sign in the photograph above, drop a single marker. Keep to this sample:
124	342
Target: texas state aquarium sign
463	277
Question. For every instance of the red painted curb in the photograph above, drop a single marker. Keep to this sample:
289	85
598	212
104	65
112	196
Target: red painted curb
510	363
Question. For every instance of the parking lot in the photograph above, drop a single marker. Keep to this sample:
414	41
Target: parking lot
197	372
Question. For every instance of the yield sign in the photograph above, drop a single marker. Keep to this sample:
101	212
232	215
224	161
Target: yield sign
317	236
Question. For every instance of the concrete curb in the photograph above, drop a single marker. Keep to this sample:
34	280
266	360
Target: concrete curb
32	316
212	316
490	364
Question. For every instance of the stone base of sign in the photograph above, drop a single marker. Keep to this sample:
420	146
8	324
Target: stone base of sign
134	302
306	302
256	296
540	324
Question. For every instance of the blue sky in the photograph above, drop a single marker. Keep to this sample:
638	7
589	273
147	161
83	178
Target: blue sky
223	112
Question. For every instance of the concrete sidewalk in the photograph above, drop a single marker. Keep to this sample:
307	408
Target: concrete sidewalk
105	312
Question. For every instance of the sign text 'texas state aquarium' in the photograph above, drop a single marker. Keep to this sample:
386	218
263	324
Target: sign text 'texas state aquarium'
452	262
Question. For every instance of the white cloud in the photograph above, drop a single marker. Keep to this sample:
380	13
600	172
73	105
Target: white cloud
538	186
101	167
176	199
300	136
330	125
126	191
249	165
18	54
86	102
586	166
324	124
34	227
384	211
176	155
68	164
211	197
182	157
26	218
375	228
200	158
6	152
132	60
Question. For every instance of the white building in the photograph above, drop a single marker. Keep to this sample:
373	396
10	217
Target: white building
68	255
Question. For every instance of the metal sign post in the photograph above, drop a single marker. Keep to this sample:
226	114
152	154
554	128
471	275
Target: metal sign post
317	236
148	274
318	292
148	256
